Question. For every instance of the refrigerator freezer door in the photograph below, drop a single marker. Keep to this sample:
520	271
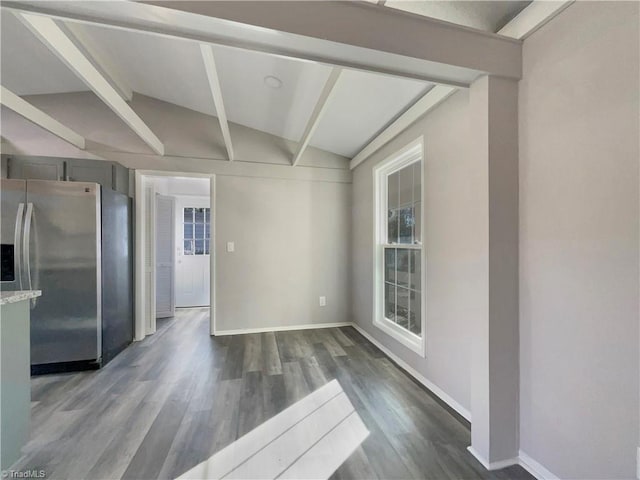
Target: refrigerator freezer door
12	205
64	251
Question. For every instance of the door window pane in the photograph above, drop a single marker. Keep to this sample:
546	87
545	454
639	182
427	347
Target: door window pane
197	228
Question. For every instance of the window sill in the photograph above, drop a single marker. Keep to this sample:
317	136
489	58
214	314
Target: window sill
406	338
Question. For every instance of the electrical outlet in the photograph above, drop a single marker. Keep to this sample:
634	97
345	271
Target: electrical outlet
323	301
231	247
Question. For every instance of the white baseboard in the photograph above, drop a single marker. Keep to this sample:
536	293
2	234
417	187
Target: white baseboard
493	465
415	374
306	326
466	414
535	468
524	460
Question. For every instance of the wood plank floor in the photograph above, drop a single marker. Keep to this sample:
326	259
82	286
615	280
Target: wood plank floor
170	402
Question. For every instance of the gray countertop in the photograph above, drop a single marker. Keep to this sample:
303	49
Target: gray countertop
18	296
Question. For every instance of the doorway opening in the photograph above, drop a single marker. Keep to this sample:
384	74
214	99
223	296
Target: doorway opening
175	253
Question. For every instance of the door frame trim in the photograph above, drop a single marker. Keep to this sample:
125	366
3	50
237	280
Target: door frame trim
144	292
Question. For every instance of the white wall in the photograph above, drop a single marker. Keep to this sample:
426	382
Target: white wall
453	255
579	242
182	186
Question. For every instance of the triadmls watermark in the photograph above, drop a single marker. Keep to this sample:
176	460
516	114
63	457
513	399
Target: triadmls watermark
24	473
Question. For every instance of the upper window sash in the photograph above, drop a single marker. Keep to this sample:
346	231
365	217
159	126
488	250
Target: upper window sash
410	155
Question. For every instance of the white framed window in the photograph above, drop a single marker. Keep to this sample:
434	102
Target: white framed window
400	280
197	230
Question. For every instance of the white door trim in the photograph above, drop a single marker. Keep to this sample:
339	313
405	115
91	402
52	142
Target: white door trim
146	290
145	305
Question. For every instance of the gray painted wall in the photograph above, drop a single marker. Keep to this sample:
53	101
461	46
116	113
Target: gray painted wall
579	255
291	226
291	246
493	139
454	257
579	242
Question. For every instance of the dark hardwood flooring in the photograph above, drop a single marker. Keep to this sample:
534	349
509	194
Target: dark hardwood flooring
170	402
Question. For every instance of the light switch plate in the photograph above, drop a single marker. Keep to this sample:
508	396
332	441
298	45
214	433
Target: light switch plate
323	301
231	247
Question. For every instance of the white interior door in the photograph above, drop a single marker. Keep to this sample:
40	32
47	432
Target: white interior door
165	256
193	233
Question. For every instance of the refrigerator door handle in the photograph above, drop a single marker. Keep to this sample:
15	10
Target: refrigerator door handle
16	242
25	246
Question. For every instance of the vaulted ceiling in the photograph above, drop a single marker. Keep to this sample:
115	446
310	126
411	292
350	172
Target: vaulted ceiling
489	16
172	70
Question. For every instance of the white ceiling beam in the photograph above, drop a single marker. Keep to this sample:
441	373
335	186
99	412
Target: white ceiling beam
216	93
100	59
38	117
365	25
369	38
59	43
428	101
534	16
318	112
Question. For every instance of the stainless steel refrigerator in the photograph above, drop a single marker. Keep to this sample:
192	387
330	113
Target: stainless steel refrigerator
72	240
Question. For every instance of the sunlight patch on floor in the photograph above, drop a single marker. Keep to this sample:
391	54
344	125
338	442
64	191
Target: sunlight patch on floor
308	440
